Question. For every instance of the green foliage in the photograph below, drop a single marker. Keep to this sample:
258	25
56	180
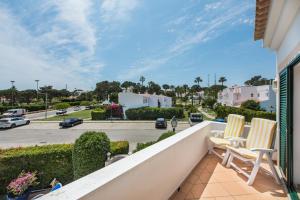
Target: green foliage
149	113
208	102
85	103
251	104
89	153
50	161
163	136
258	80
29	108
98	114
61	106
224	111
119	147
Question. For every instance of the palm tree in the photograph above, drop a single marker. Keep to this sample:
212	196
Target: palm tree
186	88
198	80
222	80
142	80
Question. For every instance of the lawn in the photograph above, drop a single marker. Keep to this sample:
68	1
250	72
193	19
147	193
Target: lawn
83	114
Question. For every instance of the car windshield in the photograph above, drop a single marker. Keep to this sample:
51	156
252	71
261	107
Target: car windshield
70	120
160	119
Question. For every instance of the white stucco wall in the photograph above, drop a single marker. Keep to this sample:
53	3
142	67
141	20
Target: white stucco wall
131	100
288	45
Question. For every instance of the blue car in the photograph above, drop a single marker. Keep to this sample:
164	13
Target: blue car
70	122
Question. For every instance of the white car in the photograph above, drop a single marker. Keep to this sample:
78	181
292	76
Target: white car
13	122
77	108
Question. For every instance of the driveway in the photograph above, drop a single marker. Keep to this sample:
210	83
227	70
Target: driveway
40	133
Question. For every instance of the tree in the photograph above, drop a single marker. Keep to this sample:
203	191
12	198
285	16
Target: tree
105	88
251	104
258	80
185	88
142	80
222	80
61	106
128	84
153	88
26	96
165	86
198	80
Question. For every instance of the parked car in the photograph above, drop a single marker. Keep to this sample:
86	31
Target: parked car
77	108
61	112
13	122
14	113
161	123
89	107
70	122
195	118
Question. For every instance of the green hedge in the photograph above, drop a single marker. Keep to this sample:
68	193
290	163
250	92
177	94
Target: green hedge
119	147
98	114
163	136
224	111
50	161
89	153
149	113
29	108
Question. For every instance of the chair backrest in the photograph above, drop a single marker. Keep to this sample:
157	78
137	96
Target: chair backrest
261	133
235	125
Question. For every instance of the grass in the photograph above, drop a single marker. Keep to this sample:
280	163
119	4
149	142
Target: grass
83	114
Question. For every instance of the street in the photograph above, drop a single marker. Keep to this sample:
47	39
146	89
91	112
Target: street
41	133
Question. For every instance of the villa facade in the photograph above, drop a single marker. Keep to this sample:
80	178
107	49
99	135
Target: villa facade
277	24
236	95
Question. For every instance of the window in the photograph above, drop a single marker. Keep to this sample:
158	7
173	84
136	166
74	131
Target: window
267	94
251	94
145	100
258	95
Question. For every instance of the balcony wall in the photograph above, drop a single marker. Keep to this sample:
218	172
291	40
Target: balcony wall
153	173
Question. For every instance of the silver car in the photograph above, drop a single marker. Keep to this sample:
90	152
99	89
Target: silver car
13	122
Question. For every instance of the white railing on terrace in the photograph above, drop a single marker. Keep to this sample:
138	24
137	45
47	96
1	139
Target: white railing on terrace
153	173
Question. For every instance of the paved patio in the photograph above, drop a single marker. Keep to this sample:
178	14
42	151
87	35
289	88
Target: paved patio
210	180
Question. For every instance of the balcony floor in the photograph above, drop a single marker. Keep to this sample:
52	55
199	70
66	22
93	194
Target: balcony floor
210	180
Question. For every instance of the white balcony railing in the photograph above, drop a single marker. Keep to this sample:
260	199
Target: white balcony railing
153	173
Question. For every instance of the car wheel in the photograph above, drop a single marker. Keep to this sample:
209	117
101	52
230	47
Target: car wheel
28	122
13	126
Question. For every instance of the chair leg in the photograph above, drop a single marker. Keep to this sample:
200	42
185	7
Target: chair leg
255	169
230	159
225	159
271	164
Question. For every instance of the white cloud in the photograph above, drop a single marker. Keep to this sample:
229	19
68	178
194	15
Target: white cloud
117	10
213	6
25	56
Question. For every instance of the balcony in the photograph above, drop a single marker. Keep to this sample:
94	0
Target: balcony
175	168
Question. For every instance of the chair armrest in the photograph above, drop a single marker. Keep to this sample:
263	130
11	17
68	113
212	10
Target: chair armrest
263	150
237	141
217	133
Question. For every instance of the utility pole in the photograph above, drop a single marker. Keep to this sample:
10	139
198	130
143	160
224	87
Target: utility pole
208	80
46	105
37	89
215	79
12	93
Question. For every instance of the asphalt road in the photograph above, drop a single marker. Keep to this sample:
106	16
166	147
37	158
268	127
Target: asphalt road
41	133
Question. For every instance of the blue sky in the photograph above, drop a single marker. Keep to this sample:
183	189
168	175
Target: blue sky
81	42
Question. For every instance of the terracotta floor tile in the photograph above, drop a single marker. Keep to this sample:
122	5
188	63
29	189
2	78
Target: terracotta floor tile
210	180
214	190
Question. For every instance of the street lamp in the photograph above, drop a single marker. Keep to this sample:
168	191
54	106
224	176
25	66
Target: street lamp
12	92
37	89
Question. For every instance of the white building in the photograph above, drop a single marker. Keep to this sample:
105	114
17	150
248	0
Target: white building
133	100
236	95
277	24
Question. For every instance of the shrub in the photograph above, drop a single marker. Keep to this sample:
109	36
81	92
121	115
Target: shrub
75	103
85	103
163	136
61	106
209	102
224	111
50	161
98	114
251	104
149	113
119	147
114	110
89	153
